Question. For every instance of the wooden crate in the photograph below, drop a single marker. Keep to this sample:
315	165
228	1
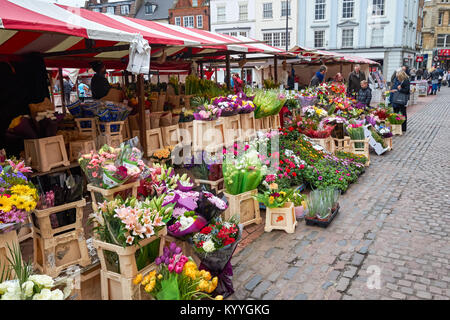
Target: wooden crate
388	142
245	206
26	232
7	239
342	145
275	122
208	135
281	218
87	284
80	147
396	129
262	124
154	140
119	286
361	150
108	194
327	144
46	153
186	132
217	186
51	256
248	125
126	134
108	135
232	129
170	135
87	126
266	123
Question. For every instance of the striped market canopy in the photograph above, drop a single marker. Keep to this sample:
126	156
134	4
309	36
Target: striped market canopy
53	29
316	56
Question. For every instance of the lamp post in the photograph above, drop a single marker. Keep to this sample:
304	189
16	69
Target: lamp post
287	23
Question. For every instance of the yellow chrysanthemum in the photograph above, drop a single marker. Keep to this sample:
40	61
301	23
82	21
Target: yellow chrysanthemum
5	204
30	206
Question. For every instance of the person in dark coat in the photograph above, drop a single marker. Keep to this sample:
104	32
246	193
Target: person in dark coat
354	81
434	77
99	84
402	85
319	77
365	93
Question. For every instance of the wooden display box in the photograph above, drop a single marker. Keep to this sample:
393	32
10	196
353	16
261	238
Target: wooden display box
46	153
87	284
248	124
126	134
56	249
154	140
109	194
119	285
281	218
245	206
275	122
87	126
361	147
388	142
26	232
170	135
111	133
266	123
327	143
7	239
396	129
232	129
217	186
262	124
208	135
186	132
342	145
80	147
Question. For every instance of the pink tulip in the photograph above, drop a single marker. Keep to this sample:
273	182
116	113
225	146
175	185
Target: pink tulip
170	267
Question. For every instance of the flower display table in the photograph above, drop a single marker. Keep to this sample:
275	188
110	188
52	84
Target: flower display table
281	218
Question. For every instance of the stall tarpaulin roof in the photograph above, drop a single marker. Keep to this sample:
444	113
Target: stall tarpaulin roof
321	55
50	28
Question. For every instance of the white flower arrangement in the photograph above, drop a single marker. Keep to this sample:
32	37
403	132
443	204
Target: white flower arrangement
208	246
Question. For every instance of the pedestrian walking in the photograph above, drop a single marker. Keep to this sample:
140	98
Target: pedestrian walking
354	81
82	91
419	74
401	92
319	77
448	77
434	77
67	89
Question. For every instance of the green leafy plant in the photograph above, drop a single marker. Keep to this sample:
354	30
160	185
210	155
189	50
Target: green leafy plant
274	199
322	202
396	118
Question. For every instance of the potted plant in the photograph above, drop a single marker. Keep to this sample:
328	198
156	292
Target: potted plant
323	207
299	201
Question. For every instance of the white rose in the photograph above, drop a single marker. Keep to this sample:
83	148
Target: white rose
57	295
186	222
10	290
208	246
27	288
45	294
69	287
42	280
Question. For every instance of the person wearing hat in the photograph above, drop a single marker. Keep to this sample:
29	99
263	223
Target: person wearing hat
99	84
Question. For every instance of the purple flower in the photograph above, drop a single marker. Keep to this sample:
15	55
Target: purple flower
320	178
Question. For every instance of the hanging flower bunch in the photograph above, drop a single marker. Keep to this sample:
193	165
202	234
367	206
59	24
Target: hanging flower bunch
17	195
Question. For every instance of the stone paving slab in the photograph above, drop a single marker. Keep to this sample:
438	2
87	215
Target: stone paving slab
390	240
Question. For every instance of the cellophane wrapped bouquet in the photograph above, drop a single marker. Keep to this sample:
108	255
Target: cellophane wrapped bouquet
111	167
268	103
177	278
242	169
17	195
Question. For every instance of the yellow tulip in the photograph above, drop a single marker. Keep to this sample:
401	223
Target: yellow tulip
138	279
219	298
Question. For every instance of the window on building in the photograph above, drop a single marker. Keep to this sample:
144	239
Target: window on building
233	34
221	16
347	38
178	21
348	8
150	8
276	40
195	3
377	37
267	10
443	40
96	10
188	21
200	22
243	33
319	10
267	38
286	8
125	9
441	18
378	8
283	39
319	39
110	10
243	12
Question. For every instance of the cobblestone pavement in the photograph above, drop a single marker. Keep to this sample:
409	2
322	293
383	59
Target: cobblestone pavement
395	220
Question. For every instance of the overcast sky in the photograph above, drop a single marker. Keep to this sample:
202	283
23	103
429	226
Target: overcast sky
73	3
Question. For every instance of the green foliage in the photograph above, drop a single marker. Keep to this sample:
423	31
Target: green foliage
321	202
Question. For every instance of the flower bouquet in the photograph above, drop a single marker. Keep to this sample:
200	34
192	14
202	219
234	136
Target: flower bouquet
274	198
177	278
215	245
356	132
163	155
268	103
228	106
207	112
396	119
307	97
17	195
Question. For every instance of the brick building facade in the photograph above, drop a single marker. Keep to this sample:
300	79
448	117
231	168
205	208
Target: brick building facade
191	14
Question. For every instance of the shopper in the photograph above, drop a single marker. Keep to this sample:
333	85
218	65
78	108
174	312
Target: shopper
413	74
238	83
291	79
339	78
318	77
402	90
434	77
448	77
365	94
99	84
68	85
354	81
82	91
441	77
419	74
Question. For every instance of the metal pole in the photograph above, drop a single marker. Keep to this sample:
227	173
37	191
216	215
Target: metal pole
228	72
141	108
63	96
287	23
275	68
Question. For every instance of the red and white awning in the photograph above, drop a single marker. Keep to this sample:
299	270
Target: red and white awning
36	26
316	56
